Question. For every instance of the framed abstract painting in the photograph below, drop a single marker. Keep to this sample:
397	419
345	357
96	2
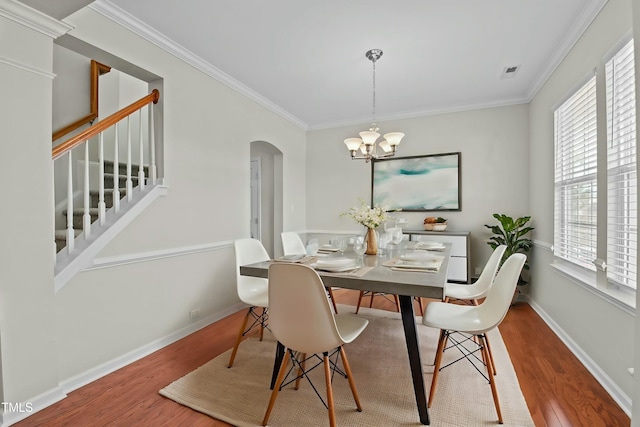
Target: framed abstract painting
417	183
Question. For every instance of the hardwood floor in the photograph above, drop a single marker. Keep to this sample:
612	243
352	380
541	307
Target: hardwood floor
558	389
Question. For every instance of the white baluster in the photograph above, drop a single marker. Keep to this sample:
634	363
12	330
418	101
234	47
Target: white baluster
116	172
101	205
141	166
129	183
86	218
153	173
70	234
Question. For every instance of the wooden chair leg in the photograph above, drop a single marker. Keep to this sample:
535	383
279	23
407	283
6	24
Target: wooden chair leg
330	403
492	381
303	358
359	301
420	305
490	353
276	388
333	300
373	294
395	297
352	384
436	368
262	323
239	338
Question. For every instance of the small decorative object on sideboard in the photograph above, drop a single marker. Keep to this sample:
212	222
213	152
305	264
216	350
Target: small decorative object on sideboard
431	223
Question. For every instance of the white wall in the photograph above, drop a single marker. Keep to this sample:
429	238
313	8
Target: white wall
495	177
104	314
602	330
27	312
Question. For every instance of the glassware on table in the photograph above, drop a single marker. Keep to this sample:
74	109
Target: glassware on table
312	247
396	236
360	246
385	239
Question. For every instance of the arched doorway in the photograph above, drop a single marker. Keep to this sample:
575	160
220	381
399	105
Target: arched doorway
266	195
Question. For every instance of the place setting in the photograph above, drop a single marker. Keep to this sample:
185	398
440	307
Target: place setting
416	261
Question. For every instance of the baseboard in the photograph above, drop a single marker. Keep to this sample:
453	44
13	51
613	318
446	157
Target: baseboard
621	398
106	368
32	406
67	386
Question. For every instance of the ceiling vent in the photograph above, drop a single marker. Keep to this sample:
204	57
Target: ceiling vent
510	71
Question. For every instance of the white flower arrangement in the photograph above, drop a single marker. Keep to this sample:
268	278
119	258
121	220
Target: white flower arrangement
366	215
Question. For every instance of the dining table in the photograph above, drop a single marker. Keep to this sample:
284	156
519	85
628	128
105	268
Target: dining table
375	273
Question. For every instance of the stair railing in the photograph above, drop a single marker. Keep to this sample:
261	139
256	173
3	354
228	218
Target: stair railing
98	129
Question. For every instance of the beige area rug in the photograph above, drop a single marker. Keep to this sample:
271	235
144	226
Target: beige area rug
380	366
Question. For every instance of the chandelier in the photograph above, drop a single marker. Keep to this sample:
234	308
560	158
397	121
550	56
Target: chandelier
366	144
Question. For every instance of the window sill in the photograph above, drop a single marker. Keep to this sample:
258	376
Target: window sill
625	300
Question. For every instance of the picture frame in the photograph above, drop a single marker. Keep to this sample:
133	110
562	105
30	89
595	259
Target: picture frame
417	183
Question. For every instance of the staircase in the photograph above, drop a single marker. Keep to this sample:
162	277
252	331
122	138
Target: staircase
60	235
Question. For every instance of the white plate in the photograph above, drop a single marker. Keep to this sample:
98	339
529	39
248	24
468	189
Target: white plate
336	269
335	262
415	265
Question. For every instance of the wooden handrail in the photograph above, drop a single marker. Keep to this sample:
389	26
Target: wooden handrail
103	125
97	69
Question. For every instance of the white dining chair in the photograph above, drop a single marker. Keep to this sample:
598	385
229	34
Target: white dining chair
253	291
474	321
473	292
292	245
301	319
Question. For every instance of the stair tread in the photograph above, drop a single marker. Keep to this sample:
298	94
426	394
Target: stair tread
62	234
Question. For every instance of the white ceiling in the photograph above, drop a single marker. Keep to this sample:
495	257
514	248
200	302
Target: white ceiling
306	59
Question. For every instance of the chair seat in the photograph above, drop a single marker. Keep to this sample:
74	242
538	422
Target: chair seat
349	327
464	292
256	297
462	318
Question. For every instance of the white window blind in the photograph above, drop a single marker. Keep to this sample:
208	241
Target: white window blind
575	210
622	195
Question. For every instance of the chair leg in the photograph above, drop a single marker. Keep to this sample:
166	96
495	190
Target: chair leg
420	305
333	300
492	381
352	383
436	368
490	353
262	323
359	301
239	338
276	388
327	376
395	297
303	358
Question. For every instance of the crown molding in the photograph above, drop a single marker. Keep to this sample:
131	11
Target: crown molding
574	33
423	113
133	24
24	15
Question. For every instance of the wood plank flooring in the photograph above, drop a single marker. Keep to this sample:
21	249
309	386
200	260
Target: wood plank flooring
558	389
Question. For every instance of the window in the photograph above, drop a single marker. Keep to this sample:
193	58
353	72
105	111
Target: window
575	230
622	197
577	168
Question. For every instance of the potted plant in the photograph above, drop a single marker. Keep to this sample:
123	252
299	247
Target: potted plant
511	233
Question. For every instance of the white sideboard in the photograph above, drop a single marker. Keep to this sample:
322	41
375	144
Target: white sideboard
460	262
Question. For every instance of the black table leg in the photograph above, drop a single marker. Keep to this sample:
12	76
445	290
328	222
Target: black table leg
413	349
276	364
